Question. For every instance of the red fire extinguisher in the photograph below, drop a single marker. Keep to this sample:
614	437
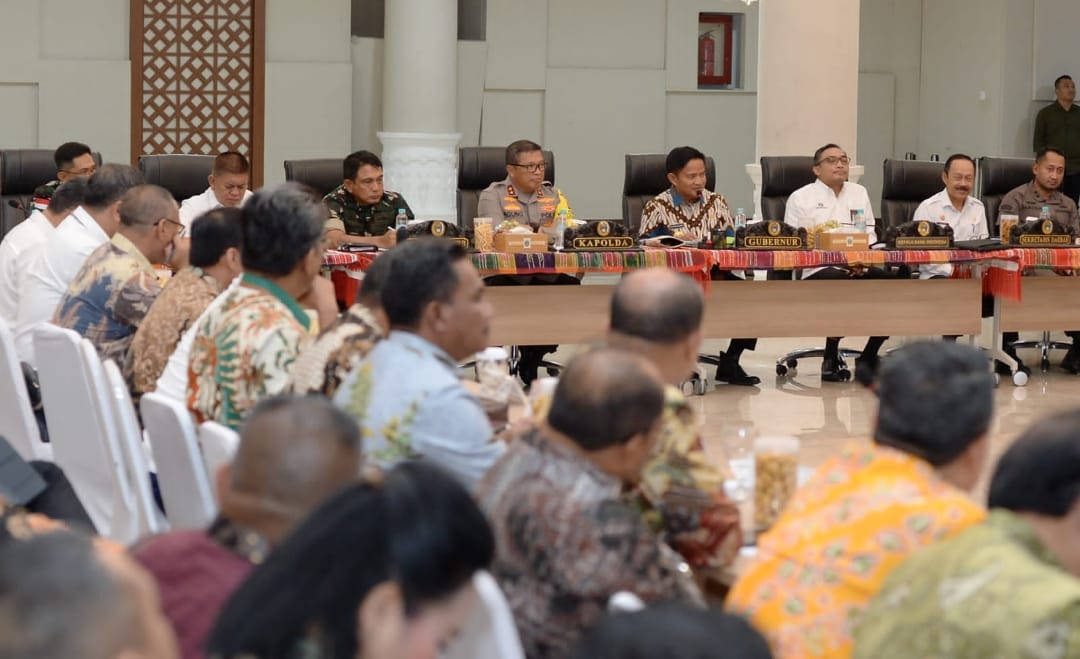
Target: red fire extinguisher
706	55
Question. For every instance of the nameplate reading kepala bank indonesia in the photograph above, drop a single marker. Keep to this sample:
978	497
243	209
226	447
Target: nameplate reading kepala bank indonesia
923	242
607	242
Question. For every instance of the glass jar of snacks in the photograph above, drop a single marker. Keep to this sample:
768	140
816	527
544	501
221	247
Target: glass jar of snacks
776	472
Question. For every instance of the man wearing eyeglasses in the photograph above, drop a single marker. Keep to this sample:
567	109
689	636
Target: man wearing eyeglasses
72	159
833	202
525	198
362	211
113	291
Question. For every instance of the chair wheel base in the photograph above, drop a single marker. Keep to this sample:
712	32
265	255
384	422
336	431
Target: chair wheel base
694	386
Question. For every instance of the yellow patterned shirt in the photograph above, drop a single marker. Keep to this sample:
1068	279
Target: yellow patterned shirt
859	516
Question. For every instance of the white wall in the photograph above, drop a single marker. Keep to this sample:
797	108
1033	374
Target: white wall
60	80
942	55
309	79
891	43
592	81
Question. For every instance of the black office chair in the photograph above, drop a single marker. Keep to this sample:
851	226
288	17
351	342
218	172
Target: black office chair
479	167
646	177
21	172
997	176
907	183
183	175
320	174
780	177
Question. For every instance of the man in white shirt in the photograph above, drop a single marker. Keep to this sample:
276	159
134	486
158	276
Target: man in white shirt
21	242
228	187
832	198
956	207
55	263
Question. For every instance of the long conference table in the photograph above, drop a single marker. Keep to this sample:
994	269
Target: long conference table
894	307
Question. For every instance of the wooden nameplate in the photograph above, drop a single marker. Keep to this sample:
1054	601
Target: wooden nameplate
770	235
923	242
1042	233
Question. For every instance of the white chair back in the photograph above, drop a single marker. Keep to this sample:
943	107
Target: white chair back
185	486
218	444
81	430
489	633
17	422
132	448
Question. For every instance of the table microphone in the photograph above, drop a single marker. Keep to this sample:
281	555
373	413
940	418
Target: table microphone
14	203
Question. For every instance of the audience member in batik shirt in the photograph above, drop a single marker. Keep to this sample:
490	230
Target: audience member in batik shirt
568	536
244	349
327	361
657	313
114	290
215	262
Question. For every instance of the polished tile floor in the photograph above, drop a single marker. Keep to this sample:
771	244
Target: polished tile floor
825	416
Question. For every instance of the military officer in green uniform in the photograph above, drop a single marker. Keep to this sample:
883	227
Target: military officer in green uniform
361	211
72	159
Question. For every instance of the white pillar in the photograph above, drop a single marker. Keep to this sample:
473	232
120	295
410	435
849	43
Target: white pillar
420	105
808	80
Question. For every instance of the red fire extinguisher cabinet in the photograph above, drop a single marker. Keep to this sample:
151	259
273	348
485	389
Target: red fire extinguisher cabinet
715	48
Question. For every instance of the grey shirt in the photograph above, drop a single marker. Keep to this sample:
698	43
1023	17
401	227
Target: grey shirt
1026	203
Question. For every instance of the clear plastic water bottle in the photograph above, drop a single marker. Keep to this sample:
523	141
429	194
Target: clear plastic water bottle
740	218
1045	214
560	230
402	219
860	221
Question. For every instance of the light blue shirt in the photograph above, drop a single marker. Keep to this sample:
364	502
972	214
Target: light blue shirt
409	402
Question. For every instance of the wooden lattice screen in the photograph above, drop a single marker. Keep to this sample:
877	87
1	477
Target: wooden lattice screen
197	74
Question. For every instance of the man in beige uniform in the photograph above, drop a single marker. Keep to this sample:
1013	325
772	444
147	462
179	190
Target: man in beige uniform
526	198
523	196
